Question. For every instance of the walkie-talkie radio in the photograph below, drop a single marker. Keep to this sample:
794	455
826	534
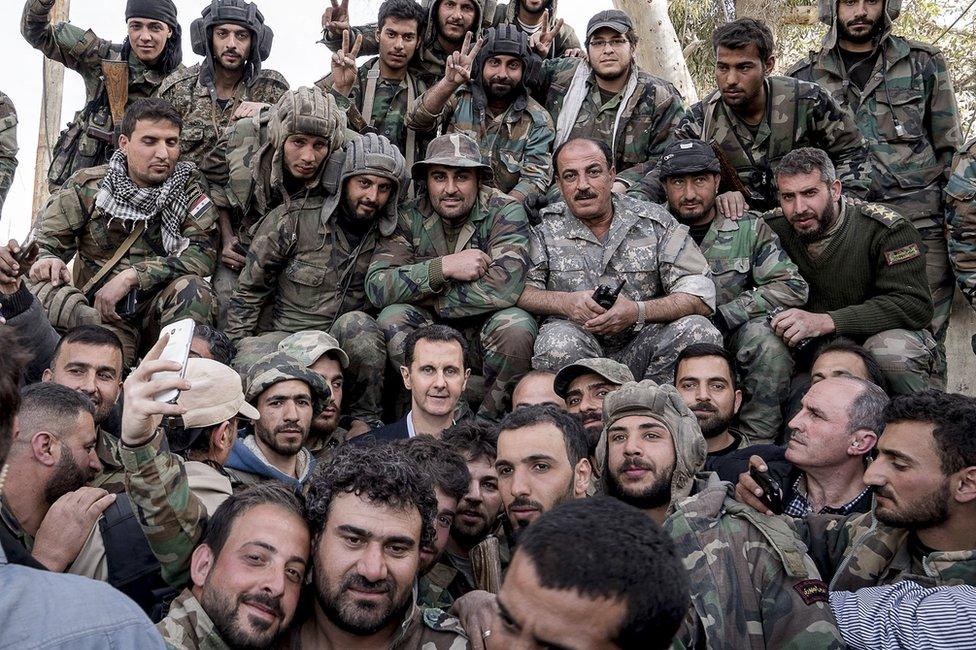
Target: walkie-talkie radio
605	296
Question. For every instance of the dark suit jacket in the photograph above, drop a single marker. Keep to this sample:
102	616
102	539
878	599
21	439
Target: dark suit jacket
389	433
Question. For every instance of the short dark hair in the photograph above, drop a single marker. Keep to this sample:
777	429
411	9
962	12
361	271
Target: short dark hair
95	335
571	427
698	350
401	10
153	109
439	462
380	473
603	548
442	333
954	419
473	439
806	160
842	344
221	347
600	144
47	406
742	33
15	356
269	493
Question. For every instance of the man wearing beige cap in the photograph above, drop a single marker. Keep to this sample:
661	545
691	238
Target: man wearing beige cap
655	454
584	385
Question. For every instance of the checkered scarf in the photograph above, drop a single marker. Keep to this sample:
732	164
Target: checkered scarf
122	199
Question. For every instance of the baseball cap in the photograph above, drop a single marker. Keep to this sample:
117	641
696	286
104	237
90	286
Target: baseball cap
308	347
613	371
216	396
688	157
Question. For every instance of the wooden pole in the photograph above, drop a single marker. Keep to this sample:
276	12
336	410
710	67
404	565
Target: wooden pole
50	125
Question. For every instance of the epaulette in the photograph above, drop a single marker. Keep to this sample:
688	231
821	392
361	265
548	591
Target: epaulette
87	175
801	64
177	76
273	75
440	621
881	213
924	47
772	215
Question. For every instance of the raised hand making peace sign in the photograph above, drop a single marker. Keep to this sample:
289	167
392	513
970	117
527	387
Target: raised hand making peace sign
457	71
344	64
542	40
335	20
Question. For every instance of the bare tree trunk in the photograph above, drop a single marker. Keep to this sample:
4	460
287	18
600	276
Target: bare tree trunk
51	96
658	50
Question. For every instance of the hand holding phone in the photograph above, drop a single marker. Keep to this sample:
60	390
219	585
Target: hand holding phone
178	350
772	491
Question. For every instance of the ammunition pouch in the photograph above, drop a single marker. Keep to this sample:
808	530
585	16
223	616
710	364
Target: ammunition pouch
87	141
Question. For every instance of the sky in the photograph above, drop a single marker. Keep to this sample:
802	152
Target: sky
295	54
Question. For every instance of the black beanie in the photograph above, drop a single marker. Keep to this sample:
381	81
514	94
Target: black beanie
164	10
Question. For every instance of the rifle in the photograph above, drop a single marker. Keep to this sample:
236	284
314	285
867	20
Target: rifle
116	74
730	177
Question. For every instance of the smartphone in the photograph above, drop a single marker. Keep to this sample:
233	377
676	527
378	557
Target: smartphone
772	491
177	349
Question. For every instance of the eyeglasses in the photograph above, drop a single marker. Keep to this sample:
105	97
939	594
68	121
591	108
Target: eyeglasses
615	43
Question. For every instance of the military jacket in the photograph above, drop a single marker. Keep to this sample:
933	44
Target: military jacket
566	39
187	626
647	122
752	584
645	247
798	114
401	268
518	143
203	120
859	551
8	146
71	223
907	113
752	272
306	266
960	194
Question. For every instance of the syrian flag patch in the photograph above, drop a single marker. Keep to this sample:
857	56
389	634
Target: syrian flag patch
200	204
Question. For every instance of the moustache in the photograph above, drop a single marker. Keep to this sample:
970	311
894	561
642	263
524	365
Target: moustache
525	502
359	583
584	194
288	428
705	406
268	602
634	463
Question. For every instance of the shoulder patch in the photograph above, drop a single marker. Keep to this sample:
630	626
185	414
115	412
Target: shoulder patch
441	621
903	254
199	204
812	591
880	213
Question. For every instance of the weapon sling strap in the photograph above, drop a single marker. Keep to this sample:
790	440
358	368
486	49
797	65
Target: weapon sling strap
372	76
116	257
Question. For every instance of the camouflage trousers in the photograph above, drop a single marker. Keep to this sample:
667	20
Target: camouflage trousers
360	337
767	366
908	358
938	272
500	347
224	283
650	353
188	296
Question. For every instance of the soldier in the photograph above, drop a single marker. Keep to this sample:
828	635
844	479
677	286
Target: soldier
274	158
883	301
144	233
597	237
607	97
445	26
754	119
537	19
901	96
379	94
655	456
229	84
961	219
487	99
537	388
287	396
308	262
754	278
8	146
152	51
458	256
584	384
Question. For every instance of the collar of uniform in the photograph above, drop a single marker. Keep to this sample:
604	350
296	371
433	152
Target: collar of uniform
186	607
139	72
8	520
410	621
724	224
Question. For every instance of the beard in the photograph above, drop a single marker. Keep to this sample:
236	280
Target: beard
502	91
867	37
67	477
713	423
358	618
825	220
285	448
926	512
655	495
224	615
469	535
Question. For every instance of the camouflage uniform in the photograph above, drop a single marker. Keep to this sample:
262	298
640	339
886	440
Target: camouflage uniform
753	274
313	273
246	174
798	114
907	113
203	120
405	279
188	627
649	110
170	287
83	51
961	219
445	582
566	39
647	248
518	142
8	146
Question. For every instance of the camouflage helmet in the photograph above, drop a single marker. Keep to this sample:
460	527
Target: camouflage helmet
613	371
278	367
369	154
308	346
452	150
306	111
663	403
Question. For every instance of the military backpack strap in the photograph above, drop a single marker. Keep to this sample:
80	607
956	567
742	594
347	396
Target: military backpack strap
411	144
116	257
372	77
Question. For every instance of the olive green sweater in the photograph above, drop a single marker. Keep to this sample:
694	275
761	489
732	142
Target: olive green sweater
870	277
